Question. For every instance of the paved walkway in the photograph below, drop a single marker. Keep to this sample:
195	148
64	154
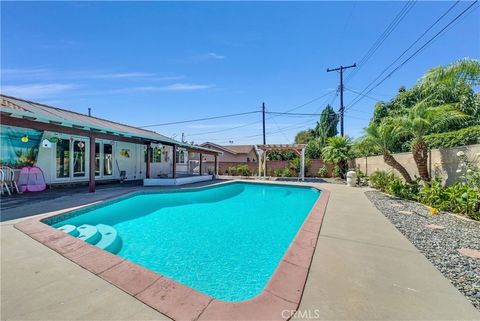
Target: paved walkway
363	269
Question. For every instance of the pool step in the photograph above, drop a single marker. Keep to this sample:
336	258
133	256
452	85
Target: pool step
101	235
110	240
89	234
69	229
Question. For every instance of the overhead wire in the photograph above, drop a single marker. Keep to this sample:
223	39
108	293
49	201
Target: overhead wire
367	90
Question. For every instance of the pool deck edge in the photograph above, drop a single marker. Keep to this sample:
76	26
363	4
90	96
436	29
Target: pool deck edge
281	296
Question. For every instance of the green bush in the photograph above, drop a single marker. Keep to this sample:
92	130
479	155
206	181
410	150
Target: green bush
286	172
462	137
381	179
295	165
243	170
322	171
232	170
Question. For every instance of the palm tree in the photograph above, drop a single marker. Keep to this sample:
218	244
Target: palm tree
383	137
338	151
424	119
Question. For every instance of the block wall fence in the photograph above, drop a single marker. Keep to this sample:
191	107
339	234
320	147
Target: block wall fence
441	162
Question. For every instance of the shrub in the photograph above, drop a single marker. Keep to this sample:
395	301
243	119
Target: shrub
337	171
462	137
398	188
381	179
232	170
243	170
322	171
286	172
462	197
295	165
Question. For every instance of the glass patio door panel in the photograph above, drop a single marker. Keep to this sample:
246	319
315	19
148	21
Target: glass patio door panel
107	159
79	158
62	158
98	159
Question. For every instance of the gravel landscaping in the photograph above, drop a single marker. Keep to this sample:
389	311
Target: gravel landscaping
439	238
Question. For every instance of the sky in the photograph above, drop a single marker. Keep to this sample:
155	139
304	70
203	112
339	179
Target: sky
150	63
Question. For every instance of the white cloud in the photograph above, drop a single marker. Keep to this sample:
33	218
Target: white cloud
36	90
185	87
201	58
117	75
213	55
48	74
174	87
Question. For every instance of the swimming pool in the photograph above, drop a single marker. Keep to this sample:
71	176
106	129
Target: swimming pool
224	241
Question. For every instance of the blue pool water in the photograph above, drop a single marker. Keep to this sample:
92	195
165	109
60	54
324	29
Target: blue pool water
224	241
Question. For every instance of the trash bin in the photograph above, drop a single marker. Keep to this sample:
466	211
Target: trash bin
351	178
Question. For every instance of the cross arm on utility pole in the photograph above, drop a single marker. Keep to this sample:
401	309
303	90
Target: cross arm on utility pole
342	108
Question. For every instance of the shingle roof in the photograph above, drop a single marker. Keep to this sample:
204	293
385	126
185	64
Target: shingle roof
45	113
233	149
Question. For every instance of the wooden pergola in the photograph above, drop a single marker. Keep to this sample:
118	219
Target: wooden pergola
297	148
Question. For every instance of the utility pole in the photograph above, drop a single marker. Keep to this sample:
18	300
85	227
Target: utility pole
183	137
263	115
342	108
89	111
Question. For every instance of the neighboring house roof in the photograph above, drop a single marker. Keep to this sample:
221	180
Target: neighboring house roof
232	149
21	108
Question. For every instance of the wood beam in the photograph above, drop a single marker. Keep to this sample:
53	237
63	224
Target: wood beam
91	179
174	160
149	155
26	123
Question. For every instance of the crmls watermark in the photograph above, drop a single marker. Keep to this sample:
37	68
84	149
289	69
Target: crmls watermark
301	314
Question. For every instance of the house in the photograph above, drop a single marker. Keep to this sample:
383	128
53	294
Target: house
233	153
71	147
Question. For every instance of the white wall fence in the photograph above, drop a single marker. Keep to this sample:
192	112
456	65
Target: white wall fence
442	162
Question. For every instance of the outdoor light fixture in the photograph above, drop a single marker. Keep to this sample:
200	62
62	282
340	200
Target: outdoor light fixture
24	139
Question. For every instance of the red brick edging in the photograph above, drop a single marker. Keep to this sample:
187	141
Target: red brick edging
278	300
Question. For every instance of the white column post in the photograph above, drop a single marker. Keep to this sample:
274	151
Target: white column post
303	164
259	158
265	164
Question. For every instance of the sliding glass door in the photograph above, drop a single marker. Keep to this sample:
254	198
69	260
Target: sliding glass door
71	159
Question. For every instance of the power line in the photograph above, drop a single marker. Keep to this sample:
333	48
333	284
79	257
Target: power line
366	90
381	39
310	101
359	93
259	121
406	50
200	119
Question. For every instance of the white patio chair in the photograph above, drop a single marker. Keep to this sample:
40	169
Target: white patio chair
10	178
3	183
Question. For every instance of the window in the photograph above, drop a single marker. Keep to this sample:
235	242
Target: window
78	158
107	159
97	159
157	155
63	158
180	157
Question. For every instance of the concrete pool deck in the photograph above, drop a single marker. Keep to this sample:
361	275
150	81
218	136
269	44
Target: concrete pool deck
363	268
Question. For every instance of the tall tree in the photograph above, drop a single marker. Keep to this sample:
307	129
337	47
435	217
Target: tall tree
423	120
304	136
327	125
383	137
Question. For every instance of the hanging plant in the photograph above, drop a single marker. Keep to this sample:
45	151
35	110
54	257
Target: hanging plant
54	140
125	153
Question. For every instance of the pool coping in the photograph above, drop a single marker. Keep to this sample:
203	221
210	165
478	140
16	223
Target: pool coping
278	301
